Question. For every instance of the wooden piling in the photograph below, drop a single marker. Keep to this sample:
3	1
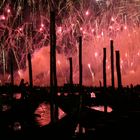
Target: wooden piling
71	71
104	79
80	80
80	61
112	63
104	67
53	77
118	69
100	83
30	71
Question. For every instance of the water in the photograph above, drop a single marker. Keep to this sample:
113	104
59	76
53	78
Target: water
15	115
42	114
101	108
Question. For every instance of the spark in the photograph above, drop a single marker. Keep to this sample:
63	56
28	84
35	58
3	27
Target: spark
87	13
8	10
42	25
2	17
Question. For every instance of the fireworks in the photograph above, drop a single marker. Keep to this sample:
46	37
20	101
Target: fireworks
24	27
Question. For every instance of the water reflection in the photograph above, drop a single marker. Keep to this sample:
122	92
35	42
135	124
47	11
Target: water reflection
101	108
92	94
42	114
5	107
16	126
17	96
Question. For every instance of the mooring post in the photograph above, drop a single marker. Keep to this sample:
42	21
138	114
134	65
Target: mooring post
112	63
71	71
104	79
104	67
30	71
53	77
118	69
80	81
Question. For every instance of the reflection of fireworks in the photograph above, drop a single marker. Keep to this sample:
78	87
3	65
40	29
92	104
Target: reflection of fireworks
43	114
24	27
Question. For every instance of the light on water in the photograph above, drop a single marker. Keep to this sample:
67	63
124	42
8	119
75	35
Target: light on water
42	114
102	108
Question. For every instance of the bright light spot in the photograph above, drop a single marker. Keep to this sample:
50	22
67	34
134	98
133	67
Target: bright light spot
2	17
121	61
110	27
59	29
131	64
84	32
42	25
107	3
96	54
87	13
41	29
102	33
89	65
112	19
101	108
92	73
61	113
8	10
58	61
92	95
138	53
126	54
20	29
77	130
125	27
108	67
19	8
72	25
58	93
132	71
92	30
8	77
118	29
17	96
20	73
17	126
81	28
65	94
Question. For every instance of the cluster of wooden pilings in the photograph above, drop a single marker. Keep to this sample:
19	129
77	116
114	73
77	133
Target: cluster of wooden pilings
118	70
53	75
